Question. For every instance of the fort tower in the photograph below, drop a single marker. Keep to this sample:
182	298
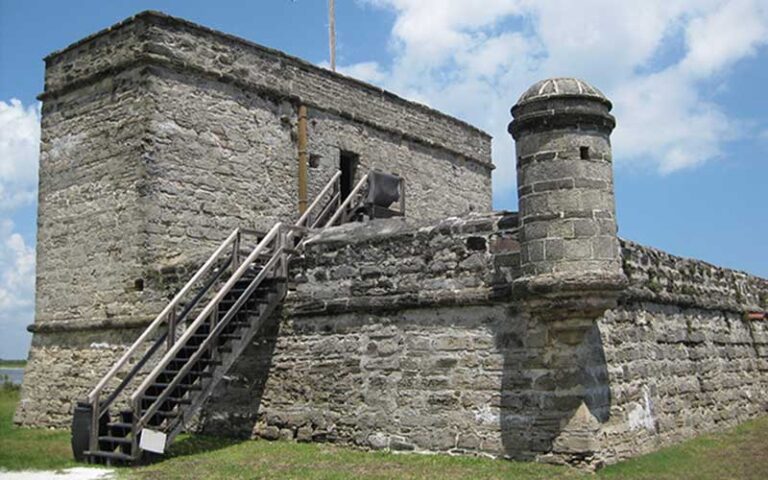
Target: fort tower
562	130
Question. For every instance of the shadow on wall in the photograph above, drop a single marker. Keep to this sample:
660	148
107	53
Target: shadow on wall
241	392
554	391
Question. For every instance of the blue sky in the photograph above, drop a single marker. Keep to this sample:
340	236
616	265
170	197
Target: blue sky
687	78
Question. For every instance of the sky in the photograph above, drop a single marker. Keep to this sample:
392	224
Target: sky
687	79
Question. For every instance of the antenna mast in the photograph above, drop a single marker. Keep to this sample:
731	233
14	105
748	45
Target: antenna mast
332	33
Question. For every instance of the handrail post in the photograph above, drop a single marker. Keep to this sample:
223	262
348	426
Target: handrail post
135	427
283	257
215	317
236	252
213	321
171	328
93	441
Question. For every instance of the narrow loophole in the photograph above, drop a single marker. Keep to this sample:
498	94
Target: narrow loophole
584	151
138	284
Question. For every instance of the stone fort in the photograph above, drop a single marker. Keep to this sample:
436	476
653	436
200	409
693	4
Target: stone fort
196	269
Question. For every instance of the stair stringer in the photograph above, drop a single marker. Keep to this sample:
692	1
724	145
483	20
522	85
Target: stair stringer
228	361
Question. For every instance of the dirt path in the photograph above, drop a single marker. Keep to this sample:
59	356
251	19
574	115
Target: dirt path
78	473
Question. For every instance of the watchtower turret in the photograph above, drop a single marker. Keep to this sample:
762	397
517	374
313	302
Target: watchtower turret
562	130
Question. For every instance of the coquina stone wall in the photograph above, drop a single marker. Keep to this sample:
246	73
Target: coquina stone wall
403	336
159	137
413	337
683	355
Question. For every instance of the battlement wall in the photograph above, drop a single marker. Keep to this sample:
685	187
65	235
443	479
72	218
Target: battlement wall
655	275
154	38
396	264
411	336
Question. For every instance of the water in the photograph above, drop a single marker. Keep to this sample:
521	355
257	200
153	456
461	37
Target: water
16	374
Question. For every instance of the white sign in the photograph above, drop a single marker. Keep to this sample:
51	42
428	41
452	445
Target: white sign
152	441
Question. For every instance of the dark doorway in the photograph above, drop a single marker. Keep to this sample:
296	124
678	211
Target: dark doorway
348	166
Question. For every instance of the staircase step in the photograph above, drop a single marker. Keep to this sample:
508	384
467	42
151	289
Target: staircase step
123	440
202	362
110	455
179	400
227	336
226	303
186	386
167	414
194	373
121	425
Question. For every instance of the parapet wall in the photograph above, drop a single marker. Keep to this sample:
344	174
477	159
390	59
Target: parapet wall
411	337
683	355
156	38
399	264
660	277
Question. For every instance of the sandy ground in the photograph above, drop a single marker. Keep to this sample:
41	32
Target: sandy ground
77	473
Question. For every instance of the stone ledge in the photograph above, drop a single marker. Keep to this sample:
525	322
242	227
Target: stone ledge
470	297
117	323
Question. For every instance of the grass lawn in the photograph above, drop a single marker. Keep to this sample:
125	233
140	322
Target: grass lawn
208	458
740	453
22	448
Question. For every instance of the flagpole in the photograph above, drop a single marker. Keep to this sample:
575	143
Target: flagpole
332	33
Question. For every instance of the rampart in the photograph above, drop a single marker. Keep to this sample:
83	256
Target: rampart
412	337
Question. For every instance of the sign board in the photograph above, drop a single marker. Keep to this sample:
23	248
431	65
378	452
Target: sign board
152	441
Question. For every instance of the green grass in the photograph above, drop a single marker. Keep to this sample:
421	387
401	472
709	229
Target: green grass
740	453
12	363
23	448
208	458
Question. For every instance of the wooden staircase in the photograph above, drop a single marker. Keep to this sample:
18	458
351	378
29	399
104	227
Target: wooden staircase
164	378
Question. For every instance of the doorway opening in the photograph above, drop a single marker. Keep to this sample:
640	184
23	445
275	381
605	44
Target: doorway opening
348	165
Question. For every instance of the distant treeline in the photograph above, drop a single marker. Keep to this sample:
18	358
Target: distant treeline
12	363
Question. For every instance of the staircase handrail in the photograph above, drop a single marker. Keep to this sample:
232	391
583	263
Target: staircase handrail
206	344
303	220
161	318
345	204
208	310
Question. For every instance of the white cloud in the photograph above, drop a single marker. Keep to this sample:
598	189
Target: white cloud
17	264
17	291
732	31
19	150
369	72
473	59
